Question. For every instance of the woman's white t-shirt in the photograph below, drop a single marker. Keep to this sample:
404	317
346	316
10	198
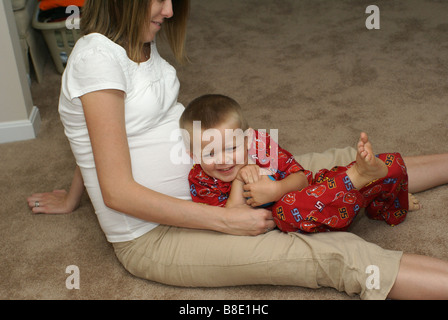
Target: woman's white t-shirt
152	112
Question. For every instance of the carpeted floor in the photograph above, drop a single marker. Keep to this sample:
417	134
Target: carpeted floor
309	68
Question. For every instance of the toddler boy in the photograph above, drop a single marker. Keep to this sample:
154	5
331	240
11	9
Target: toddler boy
234	169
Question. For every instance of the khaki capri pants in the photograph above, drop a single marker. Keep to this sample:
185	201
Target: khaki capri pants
200	258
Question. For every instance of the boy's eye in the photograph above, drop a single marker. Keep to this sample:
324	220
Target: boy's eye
229	149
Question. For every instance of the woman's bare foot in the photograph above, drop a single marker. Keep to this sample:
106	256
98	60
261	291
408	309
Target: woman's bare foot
414	204
367	167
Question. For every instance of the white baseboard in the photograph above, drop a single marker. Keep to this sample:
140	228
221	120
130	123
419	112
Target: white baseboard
21	130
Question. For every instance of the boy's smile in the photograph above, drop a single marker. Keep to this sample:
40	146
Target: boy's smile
228	171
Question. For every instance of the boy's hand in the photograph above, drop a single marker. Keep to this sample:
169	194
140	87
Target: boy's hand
249	173
263	191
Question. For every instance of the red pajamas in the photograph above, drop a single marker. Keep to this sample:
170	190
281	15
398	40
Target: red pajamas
328	203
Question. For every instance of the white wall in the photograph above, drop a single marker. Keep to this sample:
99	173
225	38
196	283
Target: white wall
19	118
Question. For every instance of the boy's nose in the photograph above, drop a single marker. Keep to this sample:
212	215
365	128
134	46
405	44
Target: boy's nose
228	159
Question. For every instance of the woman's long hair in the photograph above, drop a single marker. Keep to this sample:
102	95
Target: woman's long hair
123	21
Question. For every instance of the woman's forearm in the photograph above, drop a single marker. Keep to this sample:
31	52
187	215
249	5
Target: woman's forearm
76	189
149	205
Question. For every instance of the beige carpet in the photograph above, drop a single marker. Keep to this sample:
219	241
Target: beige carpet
309	68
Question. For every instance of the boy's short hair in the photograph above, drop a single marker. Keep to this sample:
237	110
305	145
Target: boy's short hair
212	110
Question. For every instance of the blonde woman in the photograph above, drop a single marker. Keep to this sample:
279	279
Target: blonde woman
119	107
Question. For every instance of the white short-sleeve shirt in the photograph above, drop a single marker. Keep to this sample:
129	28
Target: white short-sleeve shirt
152	114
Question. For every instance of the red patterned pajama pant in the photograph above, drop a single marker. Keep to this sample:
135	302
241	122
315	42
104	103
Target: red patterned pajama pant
330	202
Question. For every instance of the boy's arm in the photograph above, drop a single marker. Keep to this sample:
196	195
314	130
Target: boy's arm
266	190
236	194
294	182
247	174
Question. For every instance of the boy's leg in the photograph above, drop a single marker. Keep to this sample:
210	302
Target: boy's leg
329	203
424	172
387	198
367	167
332	200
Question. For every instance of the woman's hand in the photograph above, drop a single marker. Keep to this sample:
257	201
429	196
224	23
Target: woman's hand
59	201
246	221
56	202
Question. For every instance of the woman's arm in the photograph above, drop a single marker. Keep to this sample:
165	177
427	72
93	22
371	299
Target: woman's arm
104	113
59	201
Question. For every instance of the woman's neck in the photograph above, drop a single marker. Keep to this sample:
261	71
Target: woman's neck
146	52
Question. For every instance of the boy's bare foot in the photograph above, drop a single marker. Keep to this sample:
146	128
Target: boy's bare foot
414	204
367	167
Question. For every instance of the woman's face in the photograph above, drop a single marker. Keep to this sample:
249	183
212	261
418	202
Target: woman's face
160	10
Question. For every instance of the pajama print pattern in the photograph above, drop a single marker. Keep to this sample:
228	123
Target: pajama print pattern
328	203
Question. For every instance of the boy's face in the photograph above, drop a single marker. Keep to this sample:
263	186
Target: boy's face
224	150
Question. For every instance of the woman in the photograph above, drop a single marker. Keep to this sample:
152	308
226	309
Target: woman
119	107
